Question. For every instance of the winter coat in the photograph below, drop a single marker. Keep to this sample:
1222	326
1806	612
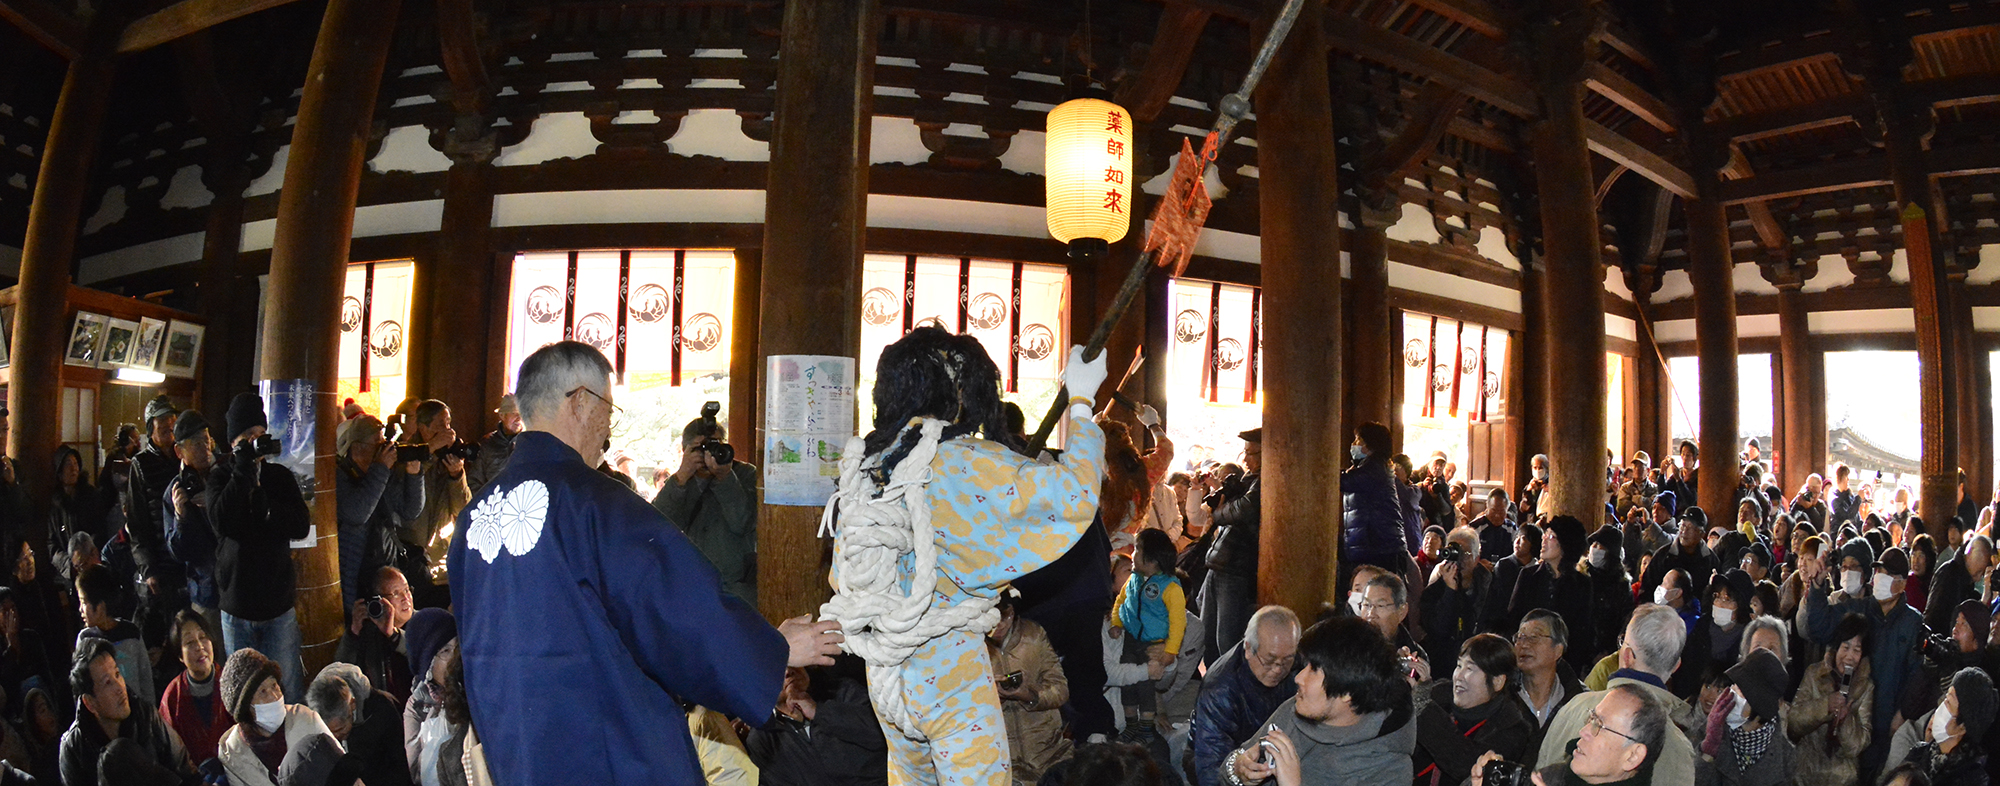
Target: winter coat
1236	521
1499	602
1181	675
85	739
200	721
152	469
190	537
1964	766
1893	654
245	769
1374	751
380	657
1829	754
494	451
257	510
1676	764
1034	728
1231	708
372	505
82	511
1450	616
1950	586
1611	607
1567	593
1451	747
719	517
444	497
1698	565
1777	767
1372	523
841	745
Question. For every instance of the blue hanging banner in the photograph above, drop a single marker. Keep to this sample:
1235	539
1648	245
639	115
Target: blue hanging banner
289	407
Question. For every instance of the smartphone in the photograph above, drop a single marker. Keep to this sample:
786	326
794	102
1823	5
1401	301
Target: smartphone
1012	680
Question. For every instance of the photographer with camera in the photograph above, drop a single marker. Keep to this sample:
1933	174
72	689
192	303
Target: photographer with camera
427	538
1449	605
190	534
375	494
258	511
713	498
373	639
497	446
1947	743
1958	580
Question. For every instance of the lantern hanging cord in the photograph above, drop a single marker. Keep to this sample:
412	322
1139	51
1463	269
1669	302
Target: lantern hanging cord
1233	109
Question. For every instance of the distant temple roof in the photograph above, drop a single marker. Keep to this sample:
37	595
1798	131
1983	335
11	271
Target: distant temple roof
1846	446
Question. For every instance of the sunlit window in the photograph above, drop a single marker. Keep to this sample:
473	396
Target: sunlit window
1215	374
1872	419
1755	408
1453	375
1018	311
375	334
663	317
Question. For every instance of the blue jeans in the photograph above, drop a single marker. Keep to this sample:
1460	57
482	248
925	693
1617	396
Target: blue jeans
278	639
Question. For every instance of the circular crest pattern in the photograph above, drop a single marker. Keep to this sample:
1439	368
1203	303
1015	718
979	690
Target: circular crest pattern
596	330
879	306
1189	326
1413	353
545	305
986	311
649	304
702	333
1229	354
350	314
387	340
1037	342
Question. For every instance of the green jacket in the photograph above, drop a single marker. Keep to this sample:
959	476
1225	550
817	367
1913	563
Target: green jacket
720	518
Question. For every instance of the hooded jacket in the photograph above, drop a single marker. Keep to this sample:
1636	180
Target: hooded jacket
1374	751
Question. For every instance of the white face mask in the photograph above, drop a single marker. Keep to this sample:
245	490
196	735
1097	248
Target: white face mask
1661	594
1739	711
1600	558
1941	724
1883	586
1541	474
1850	582
1725	617
1354	603
270	716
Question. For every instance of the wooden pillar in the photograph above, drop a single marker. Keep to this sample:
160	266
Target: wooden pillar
746	364
1527	361
41	310
1371	358
458	285
815	214
309	268
1796	357
226	297
1303	447
1573	282
1710	268
1975	441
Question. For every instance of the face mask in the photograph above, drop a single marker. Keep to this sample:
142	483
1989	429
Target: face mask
1850	582
1541	474
1600	558
1882	586
1354	603
1660	595
1941	724
1739	712
1725	617
270	716
1357	451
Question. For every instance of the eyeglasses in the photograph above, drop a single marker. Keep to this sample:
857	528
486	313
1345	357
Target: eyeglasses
615	409
1527	637
1595	723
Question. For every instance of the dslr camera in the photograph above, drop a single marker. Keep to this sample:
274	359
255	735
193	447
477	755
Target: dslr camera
1507	773
1451	552
715	448
376	607
463	450
405	451
263	445
1939	649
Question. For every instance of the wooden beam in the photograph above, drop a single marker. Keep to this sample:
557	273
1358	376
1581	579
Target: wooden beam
1769	234
1804	117
1622	39
1626	93
183	18
1834	176
48	25
1404	53
1439	104
458	42
1479	16
1648	164
1145	93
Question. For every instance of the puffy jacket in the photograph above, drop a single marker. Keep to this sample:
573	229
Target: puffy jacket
1829	754
1231	708
1236	523
1372	521
1034	728
372	506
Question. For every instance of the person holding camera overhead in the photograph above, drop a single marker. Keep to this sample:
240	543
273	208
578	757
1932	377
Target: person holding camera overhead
257	510
712	497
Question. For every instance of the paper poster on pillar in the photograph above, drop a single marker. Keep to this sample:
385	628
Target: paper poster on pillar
808	417
289	411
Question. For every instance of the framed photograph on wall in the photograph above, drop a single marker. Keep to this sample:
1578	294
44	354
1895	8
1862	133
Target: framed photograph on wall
146	345
86	339
120	337
182	351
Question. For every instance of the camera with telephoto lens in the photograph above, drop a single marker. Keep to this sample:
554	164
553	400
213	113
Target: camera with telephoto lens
464	451
1939	649
716	449
405	451
1500	772
263	445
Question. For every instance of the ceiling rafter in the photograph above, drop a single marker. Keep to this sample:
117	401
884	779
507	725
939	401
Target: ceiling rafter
47	24
1146	92
184	17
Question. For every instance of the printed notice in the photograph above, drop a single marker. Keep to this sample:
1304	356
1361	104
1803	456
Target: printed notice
808	417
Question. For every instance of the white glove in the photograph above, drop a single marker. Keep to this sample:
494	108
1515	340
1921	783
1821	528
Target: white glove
1148	416
1083	378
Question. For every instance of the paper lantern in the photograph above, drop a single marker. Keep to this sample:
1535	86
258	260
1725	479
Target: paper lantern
1089	171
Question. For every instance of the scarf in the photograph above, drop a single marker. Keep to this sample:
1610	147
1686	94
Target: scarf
1750	745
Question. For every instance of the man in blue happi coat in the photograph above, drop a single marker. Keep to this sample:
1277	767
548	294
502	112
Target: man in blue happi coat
584	617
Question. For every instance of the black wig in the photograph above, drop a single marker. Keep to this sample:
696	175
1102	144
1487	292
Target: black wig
932	373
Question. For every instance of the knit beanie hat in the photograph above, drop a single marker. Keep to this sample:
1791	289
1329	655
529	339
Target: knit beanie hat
1667	498
1978	618
159	407
246	411
1860	550
1762	680
1976	701
189	424
424	635
242	677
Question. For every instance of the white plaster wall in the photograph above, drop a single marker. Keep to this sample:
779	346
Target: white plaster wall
895	140
1983	317
398	218
274	179
629	207
1493	245
1832	273
142	257
1414	226
1756	325
1216	191
186	190
1748	278
554	136
1674	285
1614	283
1027	154
1874	320
1987	270
718	133
110	210
905	212
1621	327
1232	245
1417	279
1899	267
408	149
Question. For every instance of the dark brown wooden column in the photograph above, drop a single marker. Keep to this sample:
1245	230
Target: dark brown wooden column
1573	283
815	215
460	289
41	311
1796	357
1975	443
227	297
1303	447
1372	359
1710	266
1527	361
309	268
